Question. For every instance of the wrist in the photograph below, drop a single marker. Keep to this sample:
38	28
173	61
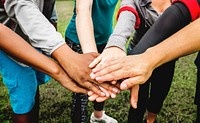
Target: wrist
115	48
154	57
63	52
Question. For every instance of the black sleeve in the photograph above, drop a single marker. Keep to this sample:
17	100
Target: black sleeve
48	8
173	19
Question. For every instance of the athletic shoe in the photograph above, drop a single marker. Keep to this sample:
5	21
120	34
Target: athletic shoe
104	119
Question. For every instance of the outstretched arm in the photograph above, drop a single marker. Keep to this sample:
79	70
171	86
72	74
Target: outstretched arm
84	25
85	31
28	55
115	48
43	35
177	17
136	69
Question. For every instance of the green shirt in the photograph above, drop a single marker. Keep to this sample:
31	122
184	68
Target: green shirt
102	16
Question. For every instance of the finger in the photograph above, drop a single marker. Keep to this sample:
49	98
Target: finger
92	75
134	96
93	88
108	69
128	83
110	76
104	64
101	99
91	80
93	97
74	87
90	93
95	62
114	82
113	95
108	87
105	91
101	65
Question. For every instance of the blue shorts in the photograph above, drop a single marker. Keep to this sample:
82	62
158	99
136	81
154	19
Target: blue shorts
22	83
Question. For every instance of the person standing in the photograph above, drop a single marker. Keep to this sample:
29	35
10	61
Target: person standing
88	31
142	14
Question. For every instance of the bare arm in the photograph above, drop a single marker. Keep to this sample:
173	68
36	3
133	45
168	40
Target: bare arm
84	25
43	35
184	42
124	28
23	52
85	31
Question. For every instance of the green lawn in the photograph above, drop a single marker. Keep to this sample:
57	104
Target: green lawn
55	100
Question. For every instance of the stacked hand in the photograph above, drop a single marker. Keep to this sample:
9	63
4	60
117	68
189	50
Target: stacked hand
76	66
110	54
132	70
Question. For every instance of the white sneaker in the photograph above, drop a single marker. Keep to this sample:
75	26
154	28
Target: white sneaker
104	119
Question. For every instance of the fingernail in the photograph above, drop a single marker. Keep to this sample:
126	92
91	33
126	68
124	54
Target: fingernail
103	94
98	78
113	95
90	93
135	105
90	98
123	86
107	94
116	90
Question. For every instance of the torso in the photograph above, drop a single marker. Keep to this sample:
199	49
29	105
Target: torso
102	16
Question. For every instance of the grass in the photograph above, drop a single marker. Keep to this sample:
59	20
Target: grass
55	101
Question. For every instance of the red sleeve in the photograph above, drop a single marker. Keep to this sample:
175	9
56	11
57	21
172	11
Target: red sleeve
3	1
128	8
193	7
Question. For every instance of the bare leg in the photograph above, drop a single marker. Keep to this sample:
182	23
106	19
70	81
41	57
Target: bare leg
151	117
98	114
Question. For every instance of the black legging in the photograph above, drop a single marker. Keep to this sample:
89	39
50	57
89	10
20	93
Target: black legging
173	19
79	112
197	95
48	8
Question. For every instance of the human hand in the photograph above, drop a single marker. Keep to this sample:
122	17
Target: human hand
77	68
67	82
134	69
109	94
109	54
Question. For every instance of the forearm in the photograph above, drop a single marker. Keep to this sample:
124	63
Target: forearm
64	55
182	43
23	52
123	30
124	27
84	26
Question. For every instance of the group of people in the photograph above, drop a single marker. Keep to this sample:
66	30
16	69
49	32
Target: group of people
149	61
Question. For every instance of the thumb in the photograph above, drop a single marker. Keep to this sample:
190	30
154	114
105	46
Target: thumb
95	62
129	82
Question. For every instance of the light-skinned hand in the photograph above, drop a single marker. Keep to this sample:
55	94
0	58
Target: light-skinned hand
76	65
134	70
109	54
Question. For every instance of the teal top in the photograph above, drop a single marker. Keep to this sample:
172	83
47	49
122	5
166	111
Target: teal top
102	17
